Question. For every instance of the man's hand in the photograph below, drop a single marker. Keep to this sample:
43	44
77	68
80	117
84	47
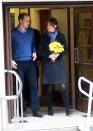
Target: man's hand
14	64
34	56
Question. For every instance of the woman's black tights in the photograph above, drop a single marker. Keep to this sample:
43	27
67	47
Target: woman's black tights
65	97
49	99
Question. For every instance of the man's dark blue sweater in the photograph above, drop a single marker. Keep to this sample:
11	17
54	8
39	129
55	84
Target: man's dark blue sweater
23	44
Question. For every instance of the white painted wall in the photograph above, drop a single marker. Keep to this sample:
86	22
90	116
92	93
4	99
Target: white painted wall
2	80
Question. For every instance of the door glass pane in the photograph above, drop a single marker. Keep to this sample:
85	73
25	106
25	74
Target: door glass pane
86	55
85	19
86	71
84	37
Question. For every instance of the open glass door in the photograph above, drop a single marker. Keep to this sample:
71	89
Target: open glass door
83	52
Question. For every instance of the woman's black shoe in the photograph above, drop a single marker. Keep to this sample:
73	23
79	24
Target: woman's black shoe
68	113
50	112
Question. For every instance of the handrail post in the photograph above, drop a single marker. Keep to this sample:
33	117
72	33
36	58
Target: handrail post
90	98
89	104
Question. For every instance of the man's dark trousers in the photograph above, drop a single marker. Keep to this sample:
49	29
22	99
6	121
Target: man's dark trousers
28	68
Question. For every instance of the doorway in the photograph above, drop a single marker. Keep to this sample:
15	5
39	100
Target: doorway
37	18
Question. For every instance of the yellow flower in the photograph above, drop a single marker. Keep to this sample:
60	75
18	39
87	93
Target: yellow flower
56	47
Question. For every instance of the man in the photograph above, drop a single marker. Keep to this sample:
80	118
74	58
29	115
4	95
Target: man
26	87
24	55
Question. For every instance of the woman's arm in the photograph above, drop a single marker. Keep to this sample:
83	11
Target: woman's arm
63	42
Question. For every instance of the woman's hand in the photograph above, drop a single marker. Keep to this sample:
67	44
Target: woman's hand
56	55
53	56
14	64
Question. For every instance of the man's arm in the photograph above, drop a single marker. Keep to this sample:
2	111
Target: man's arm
34	55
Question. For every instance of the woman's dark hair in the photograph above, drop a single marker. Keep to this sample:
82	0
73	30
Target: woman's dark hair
21	16
53	21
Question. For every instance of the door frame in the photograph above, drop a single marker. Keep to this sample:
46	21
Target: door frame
8	5
82	102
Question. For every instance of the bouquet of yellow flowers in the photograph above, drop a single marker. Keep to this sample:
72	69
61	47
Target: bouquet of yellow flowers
56	47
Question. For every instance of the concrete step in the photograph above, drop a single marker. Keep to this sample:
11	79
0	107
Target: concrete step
64	129
56	129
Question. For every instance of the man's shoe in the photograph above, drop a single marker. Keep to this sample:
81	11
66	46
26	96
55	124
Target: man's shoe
24	121
37	114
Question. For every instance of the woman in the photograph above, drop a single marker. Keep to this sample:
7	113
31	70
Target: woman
53	72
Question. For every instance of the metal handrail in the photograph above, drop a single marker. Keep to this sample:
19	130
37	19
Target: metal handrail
79	84
19	87
88	95
18	78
